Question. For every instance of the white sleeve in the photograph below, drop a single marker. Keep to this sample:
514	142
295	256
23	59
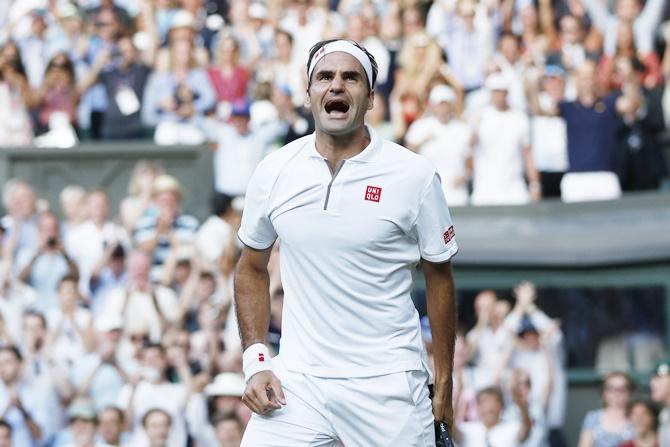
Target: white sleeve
433	226
416	133
256	230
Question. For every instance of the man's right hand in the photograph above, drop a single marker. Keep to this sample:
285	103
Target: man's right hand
263	393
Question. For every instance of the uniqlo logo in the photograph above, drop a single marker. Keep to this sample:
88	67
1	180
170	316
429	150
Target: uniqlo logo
373	193
261	357
449	234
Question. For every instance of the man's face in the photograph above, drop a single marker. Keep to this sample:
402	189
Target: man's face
168	204
98	206
489	407
570	30
49	227
628	10
338	95
9	367
660	388
586	79
83	431
154	358
442	111
33	329
110	426
158	429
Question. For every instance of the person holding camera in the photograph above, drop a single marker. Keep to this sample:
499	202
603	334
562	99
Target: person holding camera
48	265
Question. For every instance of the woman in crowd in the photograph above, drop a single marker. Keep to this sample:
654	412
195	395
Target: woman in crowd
229	77
609	426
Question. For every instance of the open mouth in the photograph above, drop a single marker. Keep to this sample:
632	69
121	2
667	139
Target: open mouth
336	106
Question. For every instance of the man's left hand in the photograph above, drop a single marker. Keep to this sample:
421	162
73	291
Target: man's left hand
443	409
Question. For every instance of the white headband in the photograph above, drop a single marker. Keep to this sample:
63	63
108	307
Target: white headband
345	46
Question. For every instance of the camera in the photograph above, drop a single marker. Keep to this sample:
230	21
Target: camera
52	242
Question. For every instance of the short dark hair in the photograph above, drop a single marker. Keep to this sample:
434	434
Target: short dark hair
651	407
119	412
152	411
14	350
317	46
68	278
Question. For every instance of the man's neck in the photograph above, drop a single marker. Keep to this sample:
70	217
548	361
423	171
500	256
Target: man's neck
336	148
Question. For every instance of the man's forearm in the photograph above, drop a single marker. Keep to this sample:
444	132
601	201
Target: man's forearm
441	300
252	303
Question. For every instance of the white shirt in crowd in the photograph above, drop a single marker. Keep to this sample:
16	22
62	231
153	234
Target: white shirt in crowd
213	237
503	434
350	242
170	397
498	161
68	346
447	147
549	140
140	310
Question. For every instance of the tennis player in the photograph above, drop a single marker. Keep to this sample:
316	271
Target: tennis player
355	214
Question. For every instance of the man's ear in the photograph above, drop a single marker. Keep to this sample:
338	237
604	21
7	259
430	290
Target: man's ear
308	101
371	98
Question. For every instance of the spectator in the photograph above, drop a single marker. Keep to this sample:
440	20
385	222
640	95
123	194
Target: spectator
88	244
502	153
35	50
110	426
141	303
153	391
216	236
20	222
643	417
660	393
15	125
174	100
56	100
285	70
99	375
548	139
74	212
69	325
124	78
240	149
609	426
140	193
35	348
592	123
428	135
571	52
30	407
166	227
228	77
520	382
82	423
611	73
229	429
489	338
47	265
491	427
108	274
642	20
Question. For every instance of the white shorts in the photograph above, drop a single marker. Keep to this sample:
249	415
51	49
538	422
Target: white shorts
391	410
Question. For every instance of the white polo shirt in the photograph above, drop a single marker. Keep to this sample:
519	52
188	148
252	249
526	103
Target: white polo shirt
348	253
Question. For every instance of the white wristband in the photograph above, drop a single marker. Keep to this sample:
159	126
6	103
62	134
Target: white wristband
256	358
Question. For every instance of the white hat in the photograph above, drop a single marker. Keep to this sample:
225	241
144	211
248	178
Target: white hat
258	11
182	19
226	384
441	93
107	323
496	81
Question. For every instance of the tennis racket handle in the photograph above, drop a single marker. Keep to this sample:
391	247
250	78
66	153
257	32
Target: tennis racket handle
444	436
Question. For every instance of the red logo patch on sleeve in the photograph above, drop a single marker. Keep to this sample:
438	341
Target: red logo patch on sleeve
449	234
373	193
261	357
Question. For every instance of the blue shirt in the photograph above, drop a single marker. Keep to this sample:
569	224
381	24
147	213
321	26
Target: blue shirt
592	134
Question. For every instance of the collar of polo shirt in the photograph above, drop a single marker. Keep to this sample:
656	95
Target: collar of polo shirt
367	155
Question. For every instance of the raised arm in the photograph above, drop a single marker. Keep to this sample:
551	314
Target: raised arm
441	298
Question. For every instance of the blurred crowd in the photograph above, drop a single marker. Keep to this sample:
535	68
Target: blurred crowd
513	100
